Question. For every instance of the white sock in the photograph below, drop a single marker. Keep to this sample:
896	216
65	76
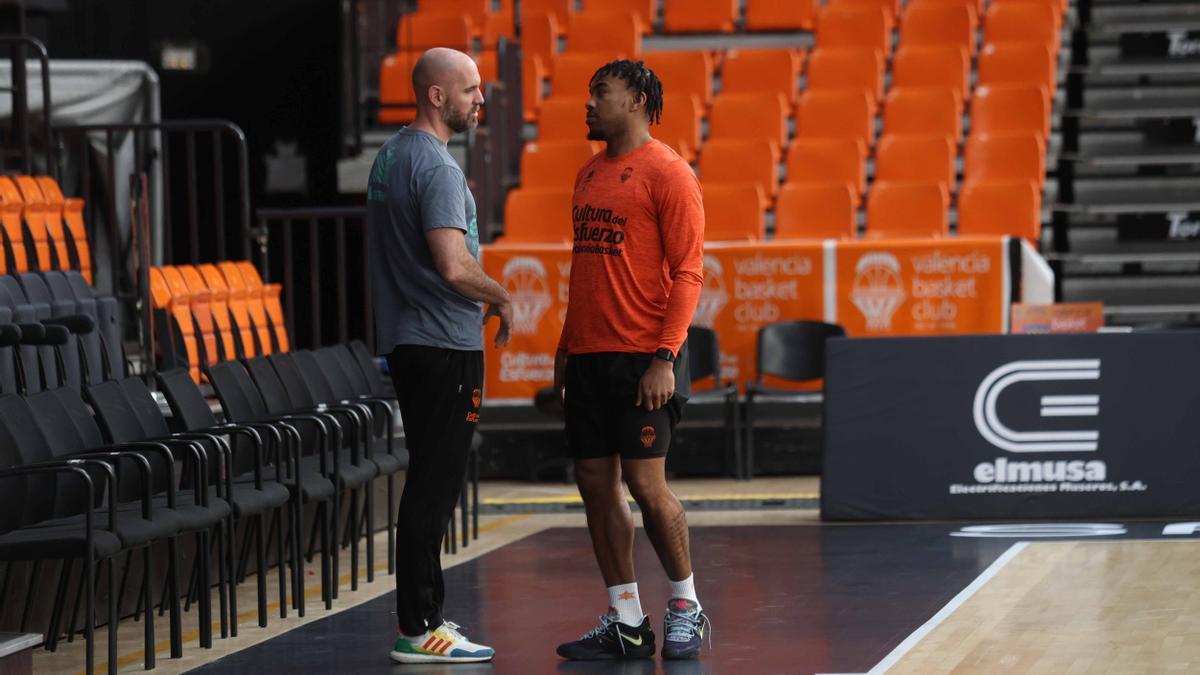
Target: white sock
627	603
685	589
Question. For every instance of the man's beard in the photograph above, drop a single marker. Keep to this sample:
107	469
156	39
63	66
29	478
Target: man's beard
459	121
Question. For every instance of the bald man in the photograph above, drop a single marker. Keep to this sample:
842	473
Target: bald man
429	290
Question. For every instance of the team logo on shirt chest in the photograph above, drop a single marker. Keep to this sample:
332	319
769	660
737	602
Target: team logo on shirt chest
599	231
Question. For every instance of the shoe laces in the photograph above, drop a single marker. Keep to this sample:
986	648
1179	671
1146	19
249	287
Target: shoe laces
451	628
608	625
681	626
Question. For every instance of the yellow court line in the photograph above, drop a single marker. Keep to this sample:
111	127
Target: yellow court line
576	499
164	646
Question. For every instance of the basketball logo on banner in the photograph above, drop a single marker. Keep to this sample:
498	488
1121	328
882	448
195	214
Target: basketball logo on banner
525	279
713	296
878	290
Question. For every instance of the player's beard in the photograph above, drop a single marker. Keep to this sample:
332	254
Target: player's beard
595	133
459	121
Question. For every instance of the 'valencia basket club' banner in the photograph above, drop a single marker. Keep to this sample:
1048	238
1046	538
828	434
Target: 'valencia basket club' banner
884	288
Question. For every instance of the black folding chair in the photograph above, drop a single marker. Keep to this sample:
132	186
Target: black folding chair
790	350
704	363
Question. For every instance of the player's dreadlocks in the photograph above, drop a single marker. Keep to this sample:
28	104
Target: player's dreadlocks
640	80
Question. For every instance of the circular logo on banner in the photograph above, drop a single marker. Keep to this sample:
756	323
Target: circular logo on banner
525	279
878	289
1040	530
713	296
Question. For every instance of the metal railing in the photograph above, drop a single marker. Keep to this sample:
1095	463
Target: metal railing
198	188
19	88
307	249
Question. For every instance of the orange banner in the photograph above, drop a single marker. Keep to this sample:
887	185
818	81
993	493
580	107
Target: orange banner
921	287
872	288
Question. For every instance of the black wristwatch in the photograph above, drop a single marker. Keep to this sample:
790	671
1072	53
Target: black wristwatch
665	354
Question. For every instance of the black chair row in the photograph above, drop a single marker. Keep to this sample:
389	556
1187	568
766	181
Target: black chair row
94	476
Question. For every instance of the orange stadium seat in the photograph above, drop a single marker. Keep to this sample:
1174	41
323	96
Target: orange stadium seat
732	212
573	72
213	303
254	303
1022	22
921	111
815	211
904	209
891	8
680	126
539	37
939	24
1057	7
854	26
553	164
699	16
561	10
919	159
196	301
1005	156
1017	63
176	315
476	11
836	114
608	32
71	210
1011	107
973	6
1000	207
227	328
934	66
739	161
847	68
11	211
271	303
533	82
418	32
684	72
397	101
52	198
496	26
817	160
489	67
35	222
538	215
239	307
780	15
644	10
757	71
749	116
563	119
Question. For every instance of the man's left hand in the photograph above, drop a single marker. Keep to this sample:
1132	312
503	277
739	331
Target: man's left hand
657	385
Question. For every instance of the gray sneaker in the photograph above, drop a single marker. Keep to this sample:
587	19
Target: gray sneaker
685	628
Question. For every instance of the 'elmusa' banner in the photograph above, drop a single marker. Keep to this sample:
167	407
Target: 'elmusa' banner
872	288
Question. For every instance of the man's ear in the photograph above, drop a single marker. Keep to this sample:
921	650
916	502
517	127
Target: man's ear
436	95
639	101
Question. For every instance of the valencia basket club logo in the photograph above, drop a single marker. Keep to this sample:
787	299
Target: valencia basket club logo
476	397
713	296
648	436
525	279
878	290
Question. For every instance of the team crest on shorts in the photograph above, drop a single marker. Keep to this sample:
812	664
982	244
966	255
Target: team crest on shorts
648	436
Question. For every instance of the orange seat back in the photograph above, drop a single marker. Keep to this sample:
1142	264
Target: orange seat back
925	159
563	118
218	304
815	211
946	25
842	113
1010	107
533	81
397	100
946	67
644	10
52	214
749	117
11	209
854	26
815	160
254	303
891	8
539	37
909	210
1005	156
1000	207
553	164
573	72
34	214
196	300
71	213
780	15
1022	22
732	212
271	303
738	161
847	68
923	111
420	31
1017	63
476	11
561	10
680	125
605	32
164	298
699	16
538	215
684	72
238	306
763	71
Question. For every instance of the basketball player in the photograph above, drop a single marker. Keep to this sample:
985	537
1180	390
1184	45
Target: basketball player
429	289
636	272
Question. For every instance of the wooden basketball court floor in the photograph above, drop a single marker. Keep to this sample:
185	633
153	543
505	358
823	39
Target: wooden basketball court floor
786	593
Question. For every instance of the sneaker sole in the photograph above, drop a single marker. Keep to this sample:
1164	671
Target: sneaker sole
401	657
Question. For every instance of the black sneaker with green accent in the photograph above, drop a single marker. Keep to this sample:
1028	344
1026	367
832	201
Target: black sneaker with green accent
612	640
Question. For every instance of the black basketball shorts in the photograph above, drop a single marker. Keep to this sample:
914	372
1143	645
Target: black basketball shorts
602	418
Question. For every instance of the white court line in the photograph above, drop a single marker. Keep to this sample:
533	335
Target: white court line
965	594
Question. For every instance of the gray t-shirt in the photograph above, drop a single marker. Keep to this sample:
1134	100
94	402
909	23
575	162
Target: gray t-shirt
416	186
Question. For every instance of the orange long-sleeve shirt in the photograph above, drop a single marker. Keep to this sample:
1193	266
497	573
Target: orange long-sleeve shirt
638	259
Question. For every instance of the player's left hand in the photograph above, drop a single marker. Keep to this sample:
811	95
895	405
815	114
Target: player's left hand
657	385
505	313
